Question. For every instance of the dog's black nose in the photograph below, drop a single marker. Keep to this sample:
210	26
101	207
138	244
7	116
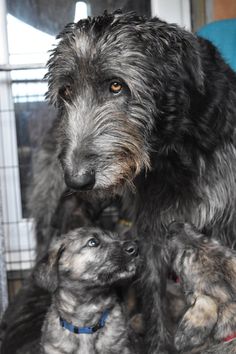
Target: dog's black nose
81	181
131	248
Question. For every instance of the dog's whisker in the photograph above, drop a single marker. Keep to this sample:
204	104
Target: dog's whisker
68	193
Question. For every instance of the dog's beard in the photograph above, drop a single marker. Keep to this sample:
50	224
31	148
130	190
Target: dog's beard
114	176
110	144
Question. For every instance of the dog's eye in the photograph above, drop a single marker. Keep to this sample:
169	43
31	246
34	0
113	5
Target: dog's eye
116	87
65	92
93	242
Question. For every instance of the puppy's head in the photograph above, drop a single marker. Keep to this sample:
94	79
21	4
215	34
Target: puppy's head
87	256
194	256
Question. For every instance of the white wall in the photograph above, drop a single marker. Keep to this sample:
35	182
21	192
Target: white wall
173	11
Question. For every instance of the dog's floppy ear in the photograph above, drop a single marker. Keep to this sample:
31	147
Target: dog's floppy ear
45	273
196	324
192	61
178	53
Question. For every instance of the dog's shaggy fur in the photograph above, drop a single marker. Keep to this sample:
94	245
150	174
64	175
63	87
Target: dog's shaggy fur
169	132
147	107
81	270
207	274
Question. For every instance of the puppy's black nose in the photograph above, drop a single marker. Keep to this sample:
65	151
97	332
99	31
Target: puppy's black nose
81	181
131	248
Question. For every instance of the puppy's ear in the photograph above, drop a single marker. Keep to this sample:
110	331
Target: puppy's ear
45	273
196	324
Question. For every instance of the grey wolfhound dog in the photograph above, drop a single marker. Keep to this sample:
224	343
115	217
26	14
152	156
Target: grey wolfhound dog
145	110
207	274
81	270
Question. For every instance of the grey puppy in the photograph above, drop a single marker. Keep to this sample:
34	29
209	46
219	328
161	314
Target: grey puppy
81	270
207	274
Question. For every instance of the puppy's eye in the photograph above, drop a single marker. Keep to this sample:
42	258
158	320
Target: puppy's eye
116	87
65	92
93	242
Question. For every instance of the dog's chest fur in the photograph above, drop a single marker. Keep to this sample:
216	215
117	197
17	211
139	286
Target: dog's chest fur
212	190
112	339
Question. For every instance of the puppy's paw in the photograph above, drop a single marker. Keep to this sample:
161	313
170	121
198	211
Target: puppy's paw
196	324
226	324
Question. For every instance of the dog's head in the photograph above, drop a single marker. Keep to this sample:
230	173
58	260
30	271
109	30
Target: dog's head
87	256
114	80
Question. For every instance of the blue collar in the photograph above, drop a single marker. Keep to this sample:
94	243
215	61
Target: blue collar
85	330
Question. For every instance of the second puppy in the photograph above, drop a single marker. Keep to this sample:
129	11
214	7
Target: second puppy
207	275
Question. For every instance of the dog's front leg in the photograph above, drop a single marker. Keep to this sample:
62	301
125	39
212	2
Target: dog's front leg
153	289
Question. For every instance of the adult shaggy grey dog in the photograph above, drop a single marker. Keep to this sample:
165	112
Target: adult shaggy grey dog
147	110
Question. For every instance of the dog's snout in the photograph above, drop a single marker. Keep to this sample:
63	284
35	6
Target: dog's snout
131	249
84	180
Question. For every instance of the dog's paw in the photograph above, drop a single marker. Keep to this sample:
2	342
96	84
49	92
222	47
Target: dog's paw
197	323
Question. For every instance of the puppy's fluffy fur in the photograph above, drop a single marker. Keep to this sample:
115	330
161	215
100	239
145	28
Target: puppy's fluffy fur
207	274
81	271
